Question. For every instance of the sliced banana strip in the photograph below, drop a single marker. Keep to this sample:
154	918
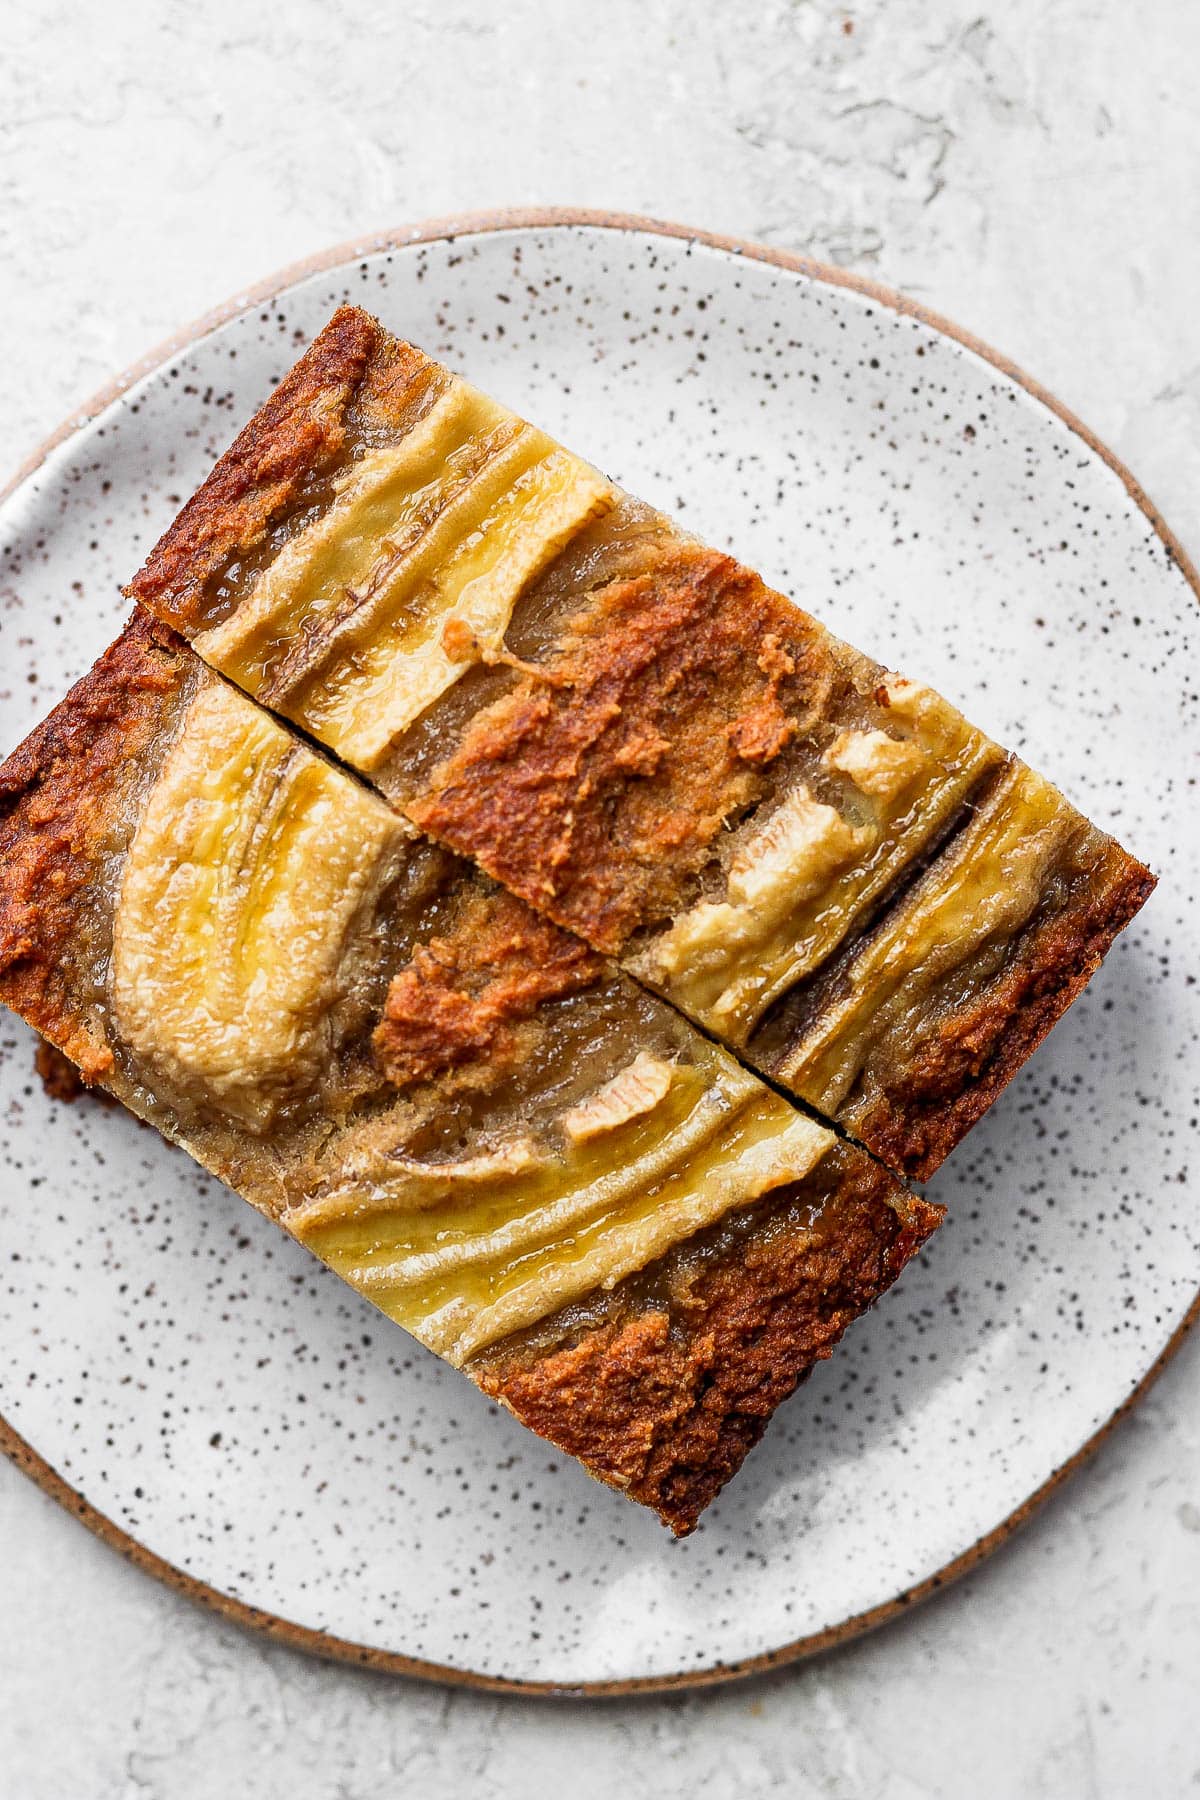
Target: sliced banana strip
804	879
792	858
461	1262
250	866
379	606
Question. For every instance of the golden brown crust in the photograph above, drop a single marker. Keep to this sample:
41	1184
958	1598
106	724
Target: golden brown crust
461	996
295	437
928	1105
596	786
59	798
665	1399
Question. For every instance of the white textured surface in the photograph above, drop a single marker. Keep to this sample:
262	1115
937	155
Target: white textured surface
1031	172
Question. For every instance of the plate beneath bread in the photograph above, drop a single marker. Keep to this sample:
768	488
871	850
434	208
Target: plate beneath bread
227	1412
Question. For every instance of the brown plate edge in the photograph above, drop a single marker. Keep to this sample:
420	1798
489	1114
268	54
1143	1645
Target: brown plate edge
341	1650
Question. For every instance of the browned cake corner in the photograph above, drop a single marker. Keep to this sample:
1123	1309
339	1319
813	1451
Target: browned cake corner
514	1151
665	1393
61	1079
353	369
60	792
973	1051
911	1030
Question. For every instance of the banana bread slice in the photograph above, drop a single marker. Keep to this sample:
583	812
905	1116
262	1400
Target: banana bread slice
821	862
534	1165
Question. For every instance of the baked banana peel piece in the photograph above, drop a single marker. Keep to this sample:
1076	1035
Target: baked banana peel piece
532	1164
821	862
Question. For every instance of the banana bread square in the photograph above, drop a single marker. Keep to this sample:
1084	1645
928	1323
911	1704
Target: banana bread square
820	862
524	1158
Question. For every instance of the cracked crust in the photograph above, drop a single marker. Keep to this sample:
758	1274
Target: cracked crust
666	1394
463	999
597	786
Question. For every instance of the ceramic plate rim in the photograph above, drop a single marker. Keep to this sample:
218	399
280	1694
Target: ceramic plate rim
342	1650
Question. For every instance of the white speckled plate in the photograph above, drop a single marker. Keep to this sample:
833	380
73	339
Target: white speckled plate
234	1417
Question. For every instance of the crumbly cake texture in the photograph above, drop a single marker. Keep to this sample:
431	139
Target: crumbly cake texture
823	864
533	1164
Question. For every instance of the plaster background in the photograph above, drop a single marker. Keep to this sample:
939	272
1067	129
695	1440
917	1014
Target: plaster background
1030	170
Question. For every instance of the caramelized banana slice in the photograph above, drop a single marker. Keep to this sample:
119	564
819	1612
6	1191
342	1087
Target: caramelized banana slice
388	1181
800	881
508	1251
370	613
791	858
970	906
249	869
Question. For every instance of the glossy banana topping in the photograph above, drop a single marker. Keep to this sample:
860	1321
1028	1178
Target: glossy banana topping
249	869
799	881
969	907
658	1153
377	607
793	856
